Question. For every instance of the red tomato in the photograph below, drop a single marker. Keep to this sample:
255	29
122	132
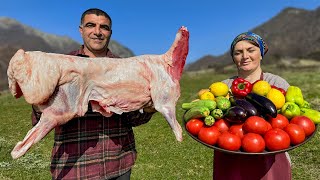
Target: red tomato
229	141
279	122
252	142
276	139
304	122
269	126
209	134
222	125
237	130
255	124
296	133
193	126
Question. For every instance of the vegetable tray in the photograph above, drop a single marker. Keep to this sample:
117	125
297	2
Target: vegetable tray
265	152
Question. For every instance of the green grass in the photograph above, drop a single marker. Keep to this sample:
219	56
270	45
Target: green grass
160	156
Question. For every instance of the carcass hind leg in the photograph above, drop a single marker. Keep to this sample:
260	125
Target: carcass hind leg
33	136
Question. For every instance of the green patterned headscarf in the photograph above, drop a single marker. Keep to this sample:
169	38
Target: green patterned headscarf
250	36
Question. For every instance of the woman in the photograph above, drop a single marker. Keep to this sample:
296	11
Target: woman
247	51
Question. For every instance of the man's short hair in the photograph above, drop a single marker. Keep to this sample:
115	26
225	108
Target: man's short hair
97	12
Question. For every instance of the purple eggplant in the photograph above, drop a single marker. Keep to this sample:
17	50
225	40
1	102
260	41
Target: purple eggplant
236	114
264	105
246	105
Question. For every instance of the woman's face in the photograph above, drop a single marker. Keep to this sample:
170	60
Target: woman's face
246	56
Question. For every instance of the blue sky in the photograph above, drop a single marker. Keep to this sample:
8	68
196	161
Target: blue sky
149	27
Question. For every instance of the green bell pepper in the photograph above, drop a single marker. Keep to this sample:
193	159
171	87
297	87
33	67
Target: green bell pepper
294	94
290	110
305	104
312	114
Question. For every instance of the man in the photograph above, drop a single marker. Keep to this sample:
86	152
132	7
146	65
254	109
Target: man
94	146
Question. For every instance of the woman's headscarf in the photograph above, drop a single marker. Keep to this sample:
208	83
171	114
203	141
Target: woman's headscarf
250	36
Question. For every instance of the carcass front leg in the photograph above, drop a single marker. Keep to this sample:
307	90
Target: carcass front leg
169	113
164	96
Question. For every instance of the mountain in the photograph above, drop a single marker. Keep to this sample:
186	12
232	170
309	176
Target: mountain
14	35
292	34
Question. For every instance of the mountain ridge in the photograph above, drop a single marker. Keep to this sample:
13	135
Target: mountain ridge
292	34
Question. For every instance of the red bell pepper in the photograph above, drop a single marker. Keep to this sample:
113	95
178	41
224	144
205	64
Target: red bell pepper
280	89
240	87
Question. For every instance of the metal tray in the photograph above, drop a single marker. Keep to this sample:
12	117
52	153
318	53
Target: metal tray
265	152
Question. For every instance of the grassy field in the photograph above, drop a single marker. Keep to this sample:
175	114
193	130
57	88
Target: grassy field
160	156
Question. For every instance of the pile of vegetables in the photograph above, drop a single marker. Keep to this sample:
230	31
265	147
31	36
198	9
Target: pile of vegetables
250	117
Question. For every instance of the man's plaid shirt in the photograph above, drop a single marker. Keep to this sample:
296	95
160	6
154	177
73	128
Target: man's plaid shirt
94	146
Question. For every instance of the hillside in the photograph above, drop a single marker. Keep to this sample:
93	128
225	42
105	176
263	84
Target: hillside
292	34
14	35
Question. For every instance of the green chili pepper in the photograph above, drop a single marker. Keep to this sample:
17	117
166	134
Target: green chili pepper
290	110
314	115
294	94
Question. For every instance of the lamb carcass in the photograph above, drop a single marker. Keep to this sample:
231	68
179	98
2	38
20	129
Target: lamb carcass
61	86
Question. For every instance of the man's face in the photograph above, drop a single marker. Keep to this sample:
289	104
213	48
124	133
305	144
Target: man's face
96	32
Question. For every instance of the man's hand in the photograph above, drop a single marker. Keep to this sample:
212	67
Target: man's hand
149	110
